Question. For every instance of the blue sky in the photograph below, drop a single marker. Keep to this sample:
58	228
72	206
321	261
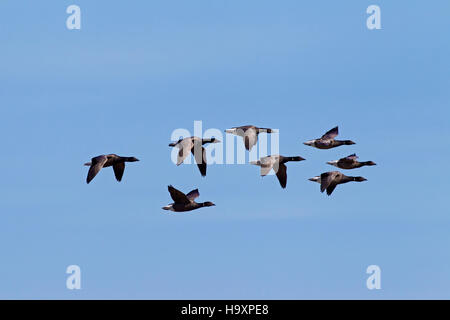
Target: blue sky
137	71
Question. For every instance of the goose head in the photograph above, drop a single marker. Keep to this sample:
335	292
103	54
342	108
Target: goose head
208	204
215	140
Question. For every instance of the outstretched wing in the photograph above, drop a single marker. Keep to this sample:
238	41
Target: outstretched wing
97	164
282	175
178	196
193	195
119	168
250	138
333	133
326	179
266	163
185	146
331	188
200	158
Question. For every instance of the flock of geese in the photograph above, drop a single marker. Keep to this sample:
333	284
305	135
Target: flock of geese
186	202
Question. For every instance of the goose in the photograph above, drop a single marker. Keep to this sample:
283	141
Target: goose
327	141
185	202
329	180
194	145
249	134
102	161
350	162
277	163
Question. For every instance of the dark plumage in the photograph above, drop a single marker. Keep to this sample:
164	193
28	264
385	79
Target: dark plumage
185	202
193	145
249	134
329	180
327	141
350	162
277	163
99	162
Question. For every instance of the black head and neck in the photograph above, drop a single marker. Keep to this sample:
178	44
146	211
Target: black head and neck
296	158
173	144
359	179
348	142
207	204
131	159
210	140
368	163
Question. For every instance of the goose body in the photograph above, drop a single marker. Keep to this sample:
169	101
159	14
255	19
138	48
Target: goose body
193	145
277	163
249	134
350	162
185	202
103	161
328	141
330	180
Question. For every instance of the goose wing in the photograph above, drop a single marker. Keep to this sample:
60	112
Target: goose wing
97	164
178	196
282	174
185	146
250	138
348	161
200	157
266	163
352	157
333	133
119	168
193	195
326	179
331	188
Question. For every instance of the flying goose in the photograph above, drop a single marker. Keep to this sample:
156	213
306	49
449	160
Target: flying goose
327	141
102	161
350	162
249	134
185	202
329	180
277	163
194	145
